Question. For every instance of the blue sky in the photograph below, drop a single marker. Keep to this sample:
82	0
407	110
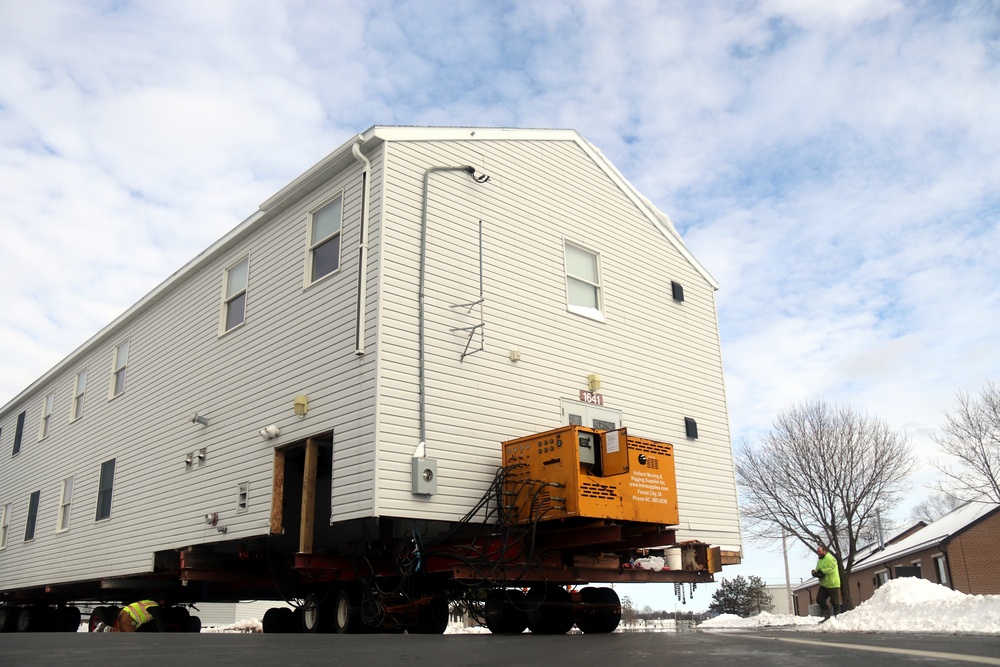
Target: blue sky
834	165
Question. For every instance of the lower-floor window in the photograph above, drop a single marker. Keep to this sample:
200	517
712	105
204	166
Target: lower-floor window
941	568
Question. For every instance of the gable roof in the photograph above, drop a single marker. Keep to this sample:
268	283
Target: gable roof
340	159
918	537
396	133
932	534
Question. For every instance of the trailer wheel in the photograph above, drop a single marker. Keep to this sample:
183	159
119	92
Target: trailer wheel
315	614
175	619
432	617
505	611
599	612
67	619
193	624
8	618
347	613
549	610
32	619
272	620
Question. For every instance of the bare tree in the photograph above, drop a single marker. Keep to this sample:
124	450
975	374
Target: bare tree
822	474
934	507
971	434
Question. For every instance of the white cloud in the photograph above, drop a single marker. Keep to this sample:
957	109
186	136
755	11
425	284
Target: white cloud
832	164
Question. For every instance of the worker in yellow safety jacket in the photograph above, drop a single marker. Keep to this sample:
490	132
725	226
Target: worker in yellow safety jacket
142	616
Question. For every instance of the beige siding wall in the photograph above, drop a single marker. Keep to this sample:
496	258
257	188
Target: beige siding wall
659	360
295	341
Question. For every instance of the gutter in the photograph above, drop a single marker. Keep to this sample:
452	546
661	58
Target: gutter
359	332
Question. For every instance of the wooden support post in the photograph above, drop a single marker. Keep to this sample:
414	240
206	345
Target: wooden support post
308	497
278	493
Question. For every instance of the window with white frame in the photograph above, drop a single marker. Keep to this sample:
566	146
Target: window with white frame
583	282
234	297
941	568
324	239
79	389
65	503
4	524
105	490
881	577
29	524
43	426
119	365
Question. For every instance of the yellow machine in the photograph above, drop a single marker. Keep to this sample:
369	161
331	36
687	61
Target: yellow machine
575	471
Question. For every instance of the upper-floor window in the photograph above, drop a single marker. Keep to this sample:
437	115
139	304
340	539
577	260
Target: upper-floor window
105	490
324	239
47	403
29	524
65	503
79	389
119	364
18	433
4	524
583	282
234	301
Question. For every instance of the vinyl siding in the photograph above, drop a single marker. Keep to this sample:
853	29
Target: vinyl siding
295	341
659	360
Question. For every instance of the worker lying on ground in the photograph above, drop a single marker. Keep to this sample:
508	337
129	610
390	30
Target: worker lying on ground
142	616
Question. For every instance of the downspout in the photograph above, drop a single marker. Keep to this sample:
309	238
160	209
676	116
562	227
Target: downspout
482	178
359	333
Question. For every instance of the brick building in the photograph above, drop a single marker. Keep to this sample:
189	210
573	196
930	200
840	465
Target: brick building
959	550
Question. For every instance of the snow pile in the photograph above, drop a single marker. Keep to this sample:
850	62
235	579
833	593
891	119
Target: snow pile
762	620
900	605
246	625
917	605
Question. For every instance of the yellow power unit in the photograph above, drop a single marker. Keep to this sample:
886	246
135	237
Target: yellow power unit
575	471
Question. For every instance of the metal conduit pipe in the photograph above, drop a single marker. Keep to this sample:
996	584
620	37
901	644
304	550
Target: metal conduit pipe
359	333
471	171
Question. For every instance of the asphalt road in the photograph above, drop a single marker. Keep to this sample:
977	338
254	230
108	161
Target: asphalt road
709	649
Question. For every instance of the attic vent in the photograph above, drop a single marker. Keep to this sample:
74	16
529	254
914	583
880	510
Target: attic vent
678	291
593	490
691	428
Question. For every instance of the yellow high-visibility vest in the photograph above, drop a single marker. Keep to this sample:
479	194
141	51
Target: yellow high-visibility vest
139	611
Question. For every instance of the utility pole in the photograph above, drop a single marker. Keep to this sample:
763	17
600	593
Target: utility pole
788	580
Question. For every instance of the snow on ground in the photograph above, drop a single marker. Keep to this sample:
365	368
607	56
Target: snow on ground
900	605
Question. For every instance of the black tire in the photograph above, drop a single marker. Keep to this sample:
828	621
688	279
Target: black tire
272	620
315	615
193	624
175	619
346	616
96	619
67	619
599	612
549	610
505	611
8	618
432	617
32	619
